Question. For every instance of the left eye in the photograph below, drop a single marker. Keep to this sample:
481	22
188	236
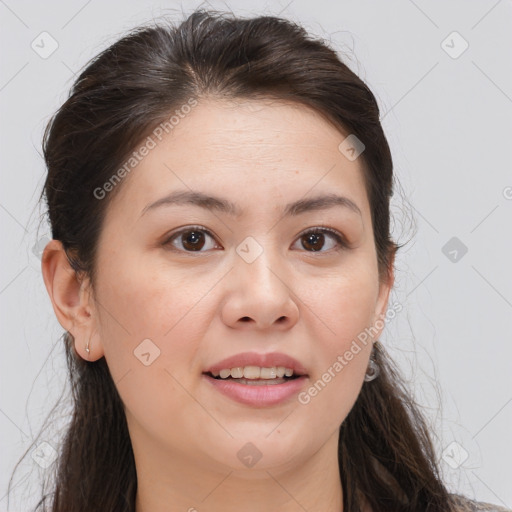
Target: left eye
195	239
314	239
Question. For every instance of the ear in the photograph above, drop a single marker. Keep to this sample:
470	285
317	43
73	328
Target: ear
385	287
71	300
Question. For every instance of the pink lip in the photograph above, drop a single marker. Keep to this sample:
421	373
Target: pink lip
257	396
262	360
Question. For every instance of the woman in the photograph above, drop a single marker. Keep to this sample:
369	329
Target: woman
221	262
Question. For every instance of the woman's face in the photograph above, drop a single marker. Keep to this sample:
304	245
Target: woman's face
182	285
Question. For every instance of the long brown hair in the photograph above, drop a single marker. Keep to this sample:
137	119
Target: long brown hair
385	451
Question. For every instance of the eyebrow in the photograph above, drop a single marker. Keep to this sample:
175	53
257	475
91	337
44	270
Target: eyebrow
222	205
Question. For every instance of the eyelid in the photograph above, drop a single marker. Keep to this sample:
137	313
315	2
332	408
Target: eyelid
339	237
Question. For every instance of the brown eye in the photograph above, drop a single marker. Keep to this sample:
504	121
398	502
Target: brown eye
316	239
191	240
313	241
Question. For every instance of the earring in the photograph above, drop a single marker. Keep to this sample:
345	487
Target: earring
373	370
87	348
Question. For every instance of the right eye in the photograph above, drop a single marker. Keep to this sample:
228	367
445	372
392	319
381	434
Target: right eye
191	239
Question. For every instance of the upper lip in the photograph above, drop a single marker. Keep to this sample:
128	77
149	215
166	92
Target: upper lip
262	360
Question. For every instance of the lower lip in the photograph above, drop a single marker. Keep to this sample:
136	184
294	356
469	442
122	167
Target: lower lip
258	396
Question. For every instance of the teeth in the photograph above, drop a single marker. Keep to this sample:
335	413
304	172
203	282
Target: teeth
237	373
268	373
254	372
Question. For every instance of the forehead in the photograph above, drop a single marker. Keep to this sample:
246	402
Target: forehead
254	151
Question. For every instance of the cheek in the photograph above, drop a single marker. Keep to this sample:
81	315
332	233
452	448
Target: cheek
151	319
343	302
344	308
148	300
152	323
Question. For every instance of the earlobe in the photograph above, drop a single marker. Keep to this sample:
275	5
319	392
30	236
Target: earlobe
70	300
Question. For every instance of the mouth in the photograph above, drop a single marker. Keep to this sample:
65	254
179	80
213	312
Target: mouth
259	381
258	391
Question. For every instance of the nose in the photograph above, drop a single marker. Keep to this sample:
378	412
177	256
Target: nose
260	295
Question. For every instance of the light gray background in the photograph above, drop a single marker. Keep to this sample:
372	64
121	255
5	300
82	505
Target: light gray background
449	124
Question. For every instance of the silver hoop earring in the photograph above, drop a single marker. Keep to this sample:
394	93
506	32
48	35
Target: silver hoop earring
372	372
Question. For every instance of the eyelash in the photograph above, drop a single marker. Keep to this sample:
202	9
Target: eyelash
338	237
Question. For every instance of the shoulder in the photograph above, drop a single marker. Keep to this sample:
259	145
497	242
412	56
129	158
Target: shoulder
462	504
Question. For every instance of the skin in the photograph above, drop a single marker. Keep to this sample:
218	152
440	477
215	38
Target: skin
199	308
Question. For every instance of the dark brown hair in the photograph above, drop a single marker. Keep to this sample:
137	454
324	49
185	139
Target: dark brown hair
385	452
